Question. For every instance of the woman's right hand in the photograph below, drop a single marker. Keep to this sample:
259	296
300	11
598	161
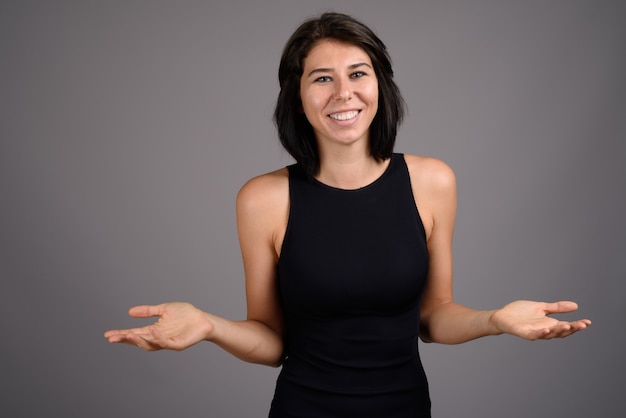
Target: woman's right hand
179	326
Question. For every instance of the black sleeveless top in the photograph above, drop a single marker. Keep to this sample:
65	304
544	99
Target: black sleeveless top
351	273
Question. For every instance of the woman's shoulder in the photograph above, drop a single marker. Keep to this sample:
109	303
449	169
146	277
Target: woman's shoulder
434	189
265	191
430	172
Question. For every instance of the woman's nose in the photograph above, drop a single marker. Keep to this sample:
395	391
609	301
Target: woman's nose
343	90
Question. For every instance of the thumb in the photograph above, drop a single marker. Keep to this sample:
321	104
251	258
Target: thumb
561	307
145	311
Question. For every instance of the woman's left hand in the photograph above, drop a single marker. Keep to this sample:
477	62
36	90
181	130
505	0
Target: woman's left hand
530	320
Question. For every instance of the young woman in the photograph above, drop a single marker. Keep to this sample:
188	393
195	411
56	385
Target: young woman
347	253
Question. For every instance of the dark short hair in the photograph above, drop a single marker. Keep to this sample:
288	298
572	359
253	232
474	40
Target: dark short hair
294	130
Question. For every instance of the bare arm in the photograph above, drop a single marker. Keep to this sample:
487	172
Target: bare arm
181	325
442	319
262	214
262	210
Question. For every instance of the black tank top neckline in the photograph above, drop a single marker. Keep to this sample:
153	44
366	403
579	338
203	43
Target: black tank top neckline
371	184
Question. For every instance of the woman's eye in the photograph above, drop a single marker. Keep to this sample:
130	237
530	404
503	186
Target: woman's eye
358	74
323	79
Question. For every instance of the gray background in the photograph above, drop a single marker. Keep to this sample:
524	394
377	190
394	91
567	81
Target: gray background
127	129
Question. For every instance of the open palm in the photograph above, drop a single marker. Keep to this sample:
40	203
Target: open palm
179	326
530	320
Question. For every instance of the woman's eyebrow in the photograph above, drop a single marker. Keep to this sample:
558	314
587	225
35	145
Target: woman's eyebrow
330	70
359	64
320	70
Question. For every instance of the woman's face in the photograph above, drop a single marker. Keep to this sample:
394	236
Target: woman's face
339	92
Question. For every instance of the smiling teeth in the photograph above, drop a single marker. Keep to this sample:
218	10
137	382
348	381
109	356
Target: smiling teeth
344	116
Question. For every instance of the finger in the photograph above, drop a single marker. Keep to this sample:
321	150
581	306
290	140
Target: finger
136	331
561	307
581	324
116	332
565	329
537	334
149	341
565	333
122	337
142	341
111	332
145	311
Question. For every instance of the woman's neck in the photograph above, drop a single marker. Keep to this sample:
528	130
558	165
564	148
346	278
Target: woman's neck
349	170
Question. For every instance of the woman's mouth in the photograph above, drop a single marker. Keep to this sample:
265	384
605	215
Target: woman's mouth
344	115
